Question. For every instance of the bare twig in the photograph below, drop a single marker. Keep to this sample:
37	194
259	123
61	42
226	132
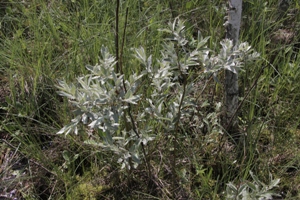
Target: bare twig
117	36
123	42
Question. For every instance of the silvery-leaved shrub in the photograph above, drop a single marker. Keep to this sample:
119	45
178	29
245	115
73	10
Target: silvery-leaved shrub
106	100
252	190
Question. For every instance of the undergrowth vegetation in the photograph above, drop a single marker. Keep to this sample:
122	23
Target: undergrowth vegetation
147	126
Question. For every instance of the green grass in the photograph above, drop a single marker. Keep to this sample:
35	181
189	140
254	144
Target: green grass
43	42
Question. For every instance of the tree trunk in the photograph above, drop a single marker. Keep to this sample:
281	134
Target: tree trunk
231	79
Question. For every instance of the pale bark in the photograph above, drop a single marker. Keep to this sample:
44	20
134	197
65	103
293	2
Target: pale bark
231	79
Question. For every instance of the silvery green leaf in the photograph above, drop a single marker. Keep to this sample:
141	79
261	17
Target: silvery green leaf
75	130
247	196
244	47
61	131
123	165
131	99
265	196
146	139
274	183
108	139
256	179
101	101
231	67
202	42
241	189
159	108
127	155
135	159
134	78
232	187
165	30
108	61
90	68
118	138
91	142
252	186
96	123
68	91
254	55
180	25
75	157
70	127
141	55
173	25
66	155
84	83
182	41
66	94
149	64
203	56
